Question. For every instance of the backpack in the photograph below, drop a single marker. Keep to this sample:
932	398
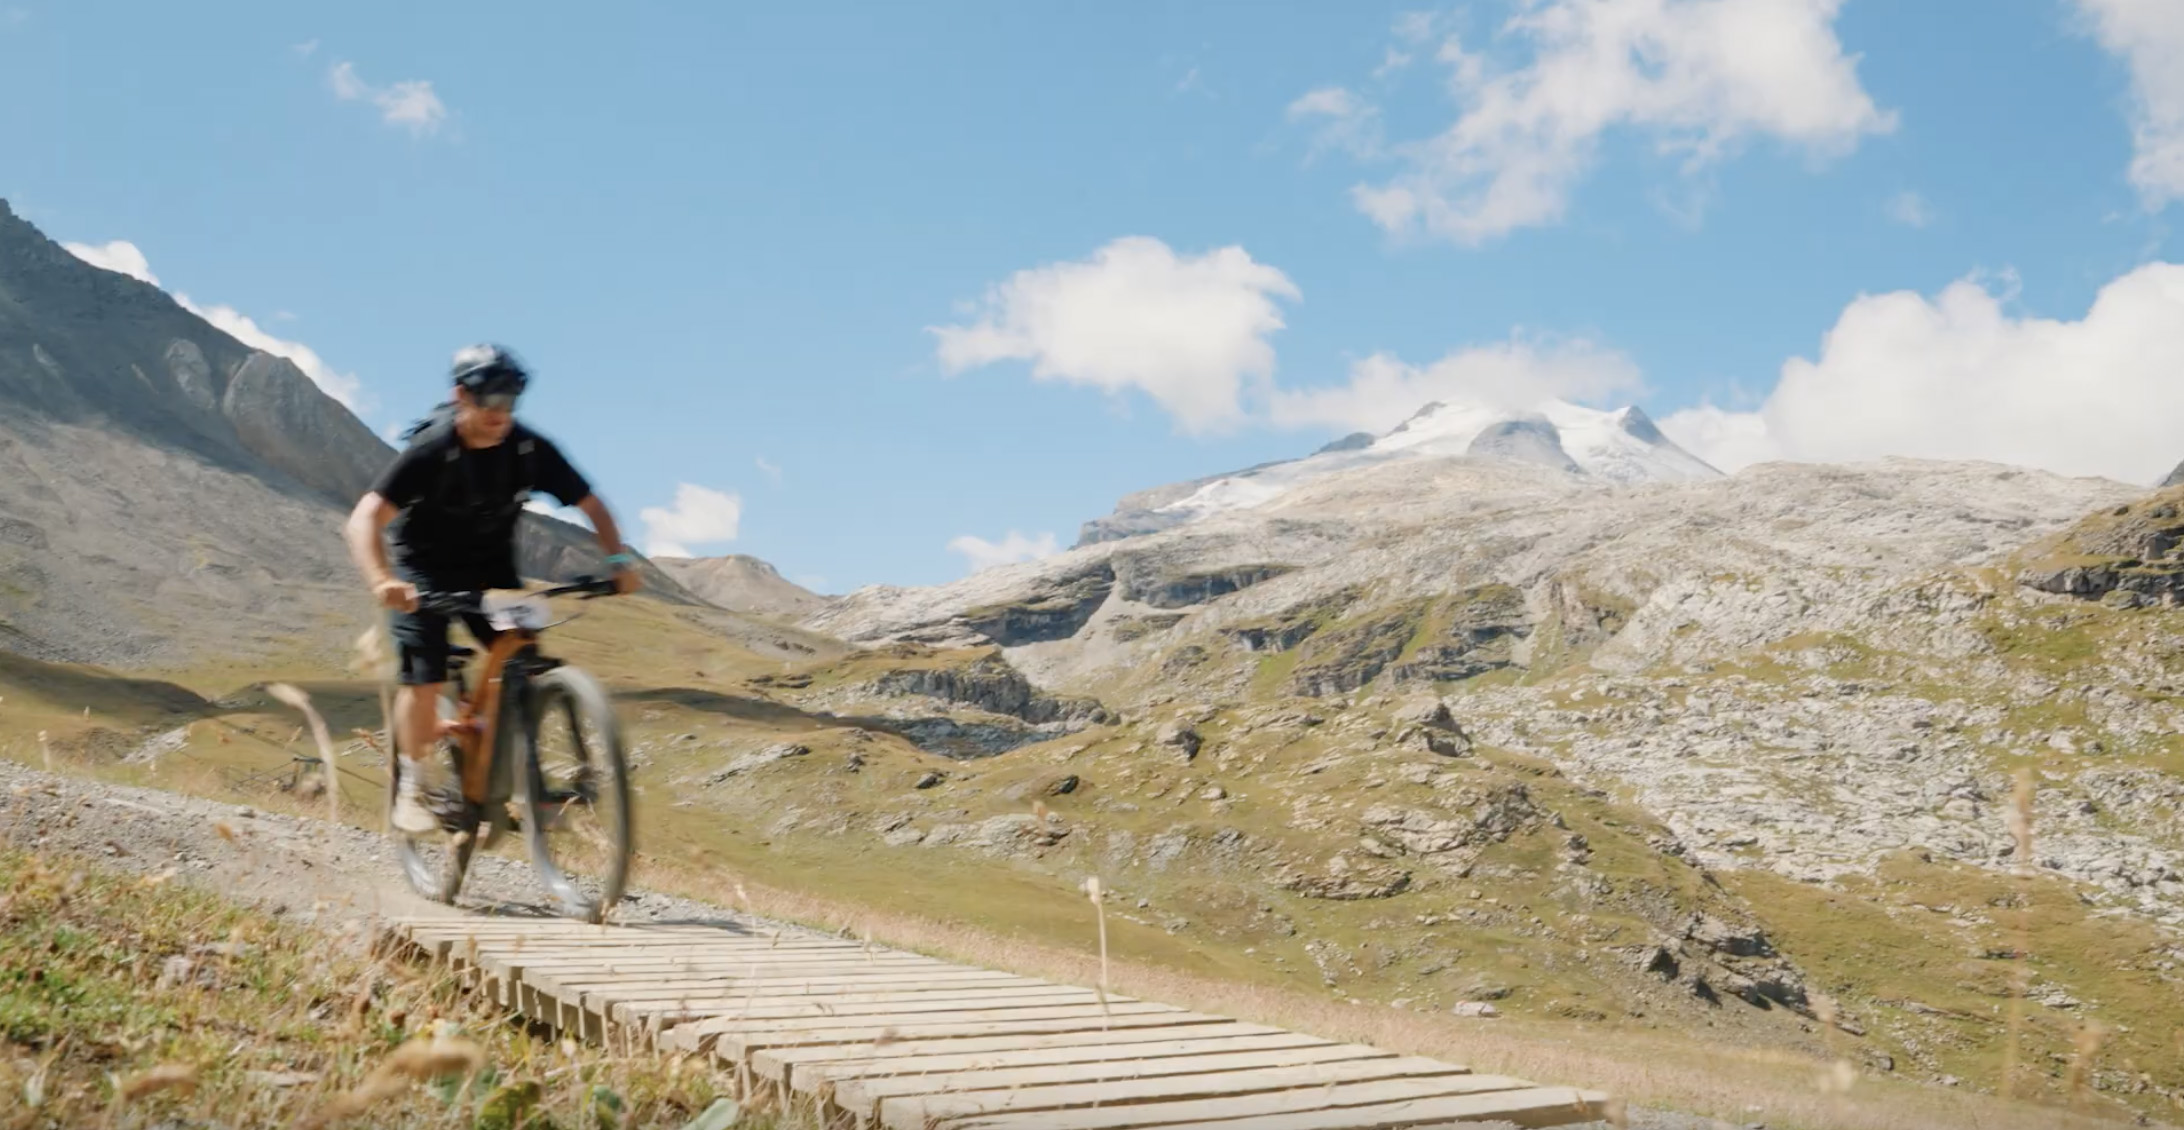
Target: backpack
442	419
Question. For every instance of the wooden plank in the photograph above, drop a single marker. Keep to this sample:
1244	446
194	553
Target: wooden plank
1112	1056
734	994
795	1065
655	1013
660	950
817	1007
735	1046
733	972
737	973
1534	1106
1388	1077
861	1095
658	955
1087	1012
726	973
1367	1105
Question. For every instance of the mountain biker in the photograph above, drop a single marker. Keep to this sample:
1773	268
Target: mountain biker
452	498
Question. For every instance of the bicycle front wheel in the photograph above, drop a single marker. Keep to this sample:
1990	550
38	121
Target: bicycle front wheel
576	795
434	864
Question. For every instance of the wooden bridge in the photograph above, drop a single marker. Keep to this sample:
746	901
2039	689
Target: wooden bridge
880	1038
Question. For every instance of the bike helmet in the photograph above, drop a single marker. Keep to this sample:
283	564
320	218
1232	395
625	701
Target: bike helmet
486	368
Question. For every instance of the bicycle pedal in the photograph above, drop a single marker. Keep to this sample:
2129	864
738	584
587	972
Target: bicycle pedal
455	814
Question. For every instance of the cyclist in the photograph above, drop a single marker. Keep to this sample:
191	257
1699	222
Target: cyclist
450	500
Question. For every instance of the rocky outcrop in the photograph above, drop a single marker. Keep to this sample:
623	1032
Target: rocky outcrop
992	685
1528	440
1344	658
2127	556
1055	612
1477	632
1159	590
1451	834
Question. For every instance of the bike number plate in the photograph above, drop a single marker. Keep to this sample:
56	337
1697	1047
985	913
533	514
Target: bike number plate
515	613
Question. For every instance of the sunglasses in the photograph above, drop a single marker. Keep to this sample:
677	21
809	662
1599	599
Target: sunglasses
496	401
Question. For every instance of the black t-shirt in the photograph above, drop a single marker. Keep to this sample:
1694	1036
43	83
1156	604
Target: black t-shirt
457	529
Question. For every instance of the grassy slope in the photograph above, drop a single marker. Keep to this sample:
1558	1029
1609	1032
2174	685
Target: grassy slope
802	832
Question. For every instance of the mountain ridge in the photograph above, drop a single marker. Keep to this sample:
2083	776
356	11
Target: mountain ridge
239	470
1620	447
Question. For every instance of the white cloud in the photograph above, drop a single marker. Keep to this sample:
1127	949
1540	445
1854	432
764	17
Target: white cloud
1910	209
1383	391
1346	120
1190	331
119	256
305	49
411	104
2149	36
1695	76
982	555
1958	376
768	468
124	257
699	515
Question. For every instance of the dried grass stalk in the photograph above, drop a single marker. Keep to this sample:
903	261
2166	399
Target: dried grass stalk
295	697
166	1077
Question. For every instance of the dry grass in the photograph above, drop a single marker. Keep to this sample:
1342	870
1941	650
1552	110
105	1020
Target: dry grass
131	1002
1738	1084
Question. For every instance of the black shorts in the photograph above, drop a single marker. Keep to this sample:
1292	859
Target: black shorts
420	641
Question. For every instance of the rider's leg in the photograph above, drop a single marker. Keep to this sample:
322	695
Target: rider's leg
417	714
421	647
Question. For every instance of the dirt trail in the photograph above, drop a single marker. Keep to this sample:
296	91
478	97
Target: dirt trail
335	876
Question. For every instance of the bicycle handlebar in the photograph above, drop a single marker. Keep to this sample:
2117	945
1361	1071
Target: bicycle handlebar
455	603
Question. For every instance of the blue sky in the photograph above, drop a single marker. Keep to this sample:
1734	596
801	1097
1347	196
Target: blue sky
726	235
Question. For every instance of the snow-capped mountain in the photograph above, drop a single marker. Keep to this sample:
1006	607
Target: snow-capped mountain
1620	447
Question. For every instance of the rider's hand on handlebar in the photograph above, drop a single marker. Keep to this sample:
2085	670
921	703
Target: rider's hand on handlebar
400	596
626	581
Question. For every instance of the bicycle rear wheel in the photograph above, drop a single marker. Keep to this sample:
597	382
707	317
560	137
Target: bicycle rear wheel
576	795
434	864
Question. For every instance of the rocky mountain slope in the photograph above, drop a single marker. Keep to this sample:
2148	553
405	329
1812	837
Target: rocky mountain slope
742	583
1805	677
165	491
1621	447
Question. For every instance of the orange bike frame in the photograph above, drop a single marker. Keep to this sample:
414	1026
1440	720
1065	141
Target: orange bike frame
481	713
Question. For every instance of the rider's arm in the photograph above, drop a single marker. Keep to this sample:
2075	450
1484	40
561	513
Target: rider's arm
610	537
366	547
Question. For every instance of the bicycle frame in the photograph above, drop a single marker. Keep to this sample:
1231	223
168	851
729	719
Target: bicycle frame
481	712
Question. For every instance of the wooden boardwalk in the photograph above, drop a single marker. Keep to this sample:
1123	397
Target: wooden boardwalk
881	1038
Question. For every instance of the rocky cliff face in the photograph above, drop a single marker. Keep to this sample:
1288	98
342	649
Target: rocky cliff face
165	491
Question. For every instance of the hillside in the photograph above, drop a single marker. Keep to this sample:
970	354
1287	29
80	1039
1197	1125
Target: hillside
741	583
166	493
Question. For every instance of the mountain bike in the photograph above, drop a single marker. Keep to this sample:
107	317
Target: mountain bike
535	747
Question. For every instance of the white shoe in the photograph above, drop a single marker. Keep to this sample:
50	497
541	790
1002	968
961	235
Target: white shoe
411	812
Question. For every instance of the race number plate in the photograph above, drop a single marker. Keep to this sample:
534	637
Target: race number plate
508	612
